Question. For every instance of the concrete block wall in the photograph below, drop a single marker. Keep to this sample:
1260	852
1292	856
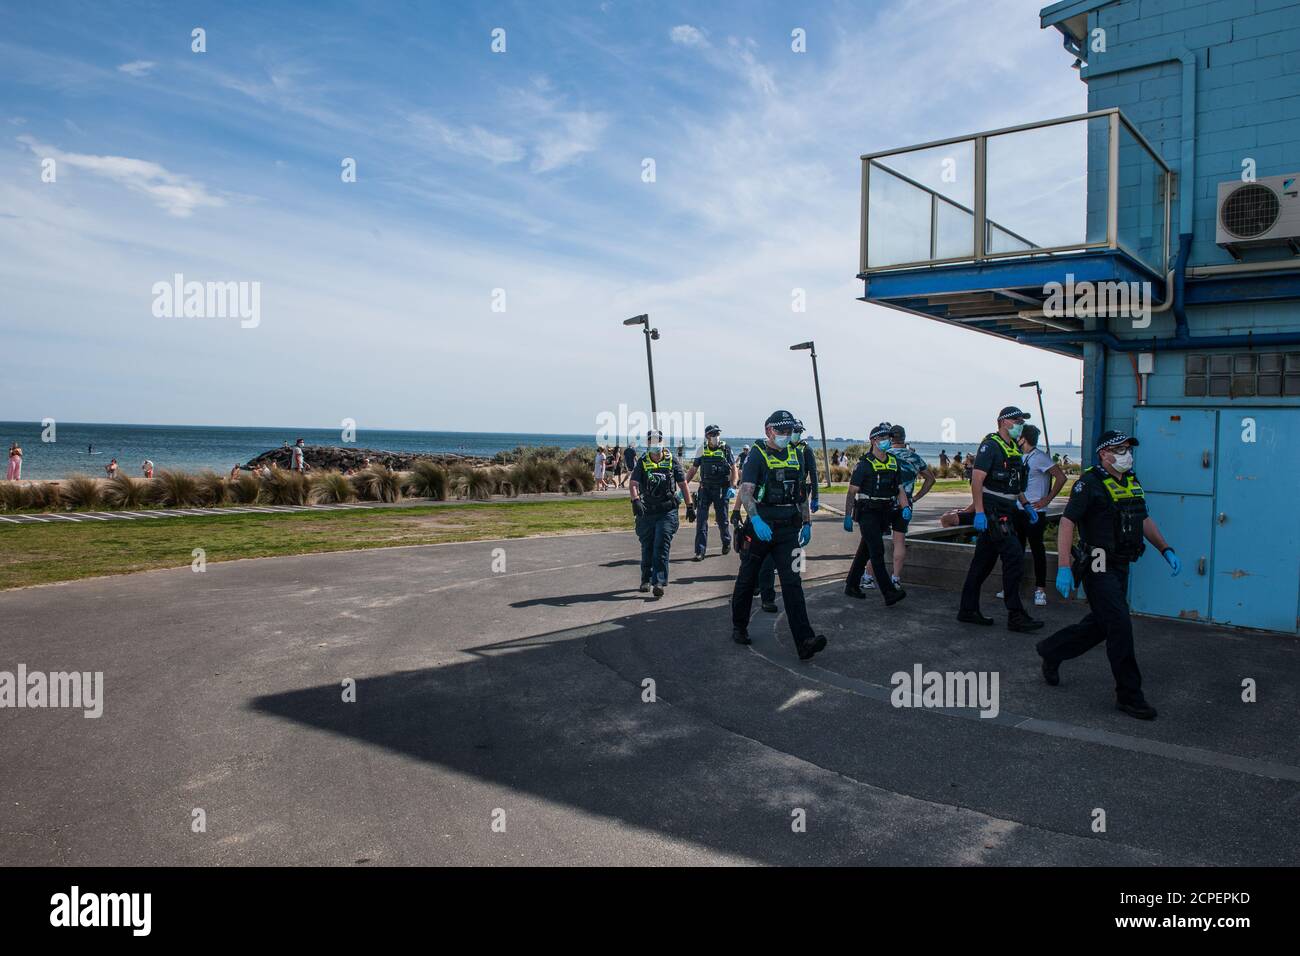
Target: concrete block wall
1247	107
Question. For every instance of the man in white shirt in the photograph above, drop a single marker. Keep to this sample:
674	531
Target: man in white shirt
1046	479
298	461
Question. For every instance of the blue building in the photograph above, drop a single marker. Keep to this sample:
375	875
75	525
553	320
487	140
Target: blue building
1156	237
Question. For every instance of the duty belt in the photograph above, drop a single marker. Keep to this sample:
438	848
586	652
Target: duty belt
1001	494
861	497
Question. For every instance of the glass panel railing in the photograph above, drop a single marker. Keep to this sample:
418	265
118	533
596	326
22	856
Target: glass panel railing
1038	184
1038	189
918	200
1141	202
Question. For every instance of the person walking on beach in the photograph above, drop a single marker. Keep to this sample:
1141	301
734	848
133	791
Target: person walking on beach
147	467
234	472
111	468
599	469
655	482
15	472
298	457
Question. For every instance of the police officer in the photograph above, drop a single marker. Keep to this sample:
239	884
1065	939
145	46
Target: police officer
997	483
767	573
911	466
1108	506
875	489
656	480
773	491
718	478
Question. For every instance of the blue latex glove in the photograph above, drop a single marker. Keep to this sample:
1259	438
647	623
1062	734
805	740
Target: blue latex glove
981	521
1064	582
1032	512
1173	561
731	493
805	535
761	528
907	513
848	522
816	503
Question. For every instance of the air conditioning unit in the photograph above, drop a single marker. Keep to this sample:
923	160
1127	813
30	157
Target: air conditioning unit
1265	212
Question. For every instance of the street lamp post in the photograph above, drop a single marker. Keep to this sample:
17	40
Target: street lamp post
644	320
821	421
1039	389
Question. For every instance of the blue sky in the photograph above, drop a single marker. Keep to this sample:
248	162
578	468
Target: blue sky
478	171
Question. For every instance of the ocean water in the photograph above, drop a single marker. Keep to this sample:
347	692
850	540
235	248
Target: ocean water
87	448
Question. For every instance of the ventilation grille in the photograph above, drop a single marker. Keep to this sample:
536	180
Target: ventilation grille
1250	211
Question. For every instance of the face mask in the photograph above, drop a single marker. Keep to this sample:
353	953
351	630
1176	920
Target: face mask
883	446
1015	430
781	440
713	441
1123	462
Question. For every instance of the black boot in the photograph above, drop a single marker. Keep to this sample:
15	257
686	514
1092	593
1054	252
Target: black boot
1051	668
1139	709
1022	622
973	617
740	636
892	599
770	607
726	548
808	648
854	591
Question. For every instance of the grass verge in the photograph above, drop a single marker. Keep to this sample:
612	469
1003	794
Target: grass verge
66	551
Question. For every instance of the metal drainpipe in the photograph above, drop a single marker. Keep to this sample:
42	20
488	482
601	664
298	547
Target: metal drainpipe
1181	332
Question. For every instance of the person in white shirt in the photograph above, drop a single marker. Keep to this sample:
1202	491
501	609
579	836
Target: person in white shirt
1046	479
298	461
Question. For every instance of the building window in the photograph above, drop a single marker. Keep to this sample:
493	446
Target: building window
1241	374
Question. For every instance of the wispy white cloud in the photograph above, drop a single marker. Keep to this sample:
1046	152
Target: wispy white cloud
473	140
687	35
138	68
179	195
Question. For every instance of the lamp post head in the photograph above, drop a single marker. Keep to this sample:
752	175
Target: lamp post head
1033	384
638	320
801	345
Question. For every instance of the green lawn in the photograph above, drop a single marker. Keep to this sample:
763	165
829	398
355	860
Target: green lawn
64	551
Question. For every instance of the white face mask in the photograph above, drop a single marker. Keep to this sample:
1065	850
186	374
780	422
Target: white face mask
1123	462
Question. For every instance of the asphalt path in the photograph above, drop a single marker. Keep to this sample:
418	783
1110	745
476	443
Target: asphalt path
519	702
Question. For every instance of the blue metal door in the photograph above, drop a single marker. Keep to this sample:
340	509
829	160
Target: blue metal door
1175	465
1256	567
1177	449
1185	521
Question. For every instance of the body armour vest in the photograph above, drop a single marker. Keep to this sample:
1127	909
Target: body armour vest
659	493
1120	533
1009	475
714	469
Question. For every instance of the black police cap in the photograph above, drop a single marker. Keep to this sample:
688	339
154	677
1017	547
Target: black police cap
712	430
1111	438
881	430
1012	412
781	419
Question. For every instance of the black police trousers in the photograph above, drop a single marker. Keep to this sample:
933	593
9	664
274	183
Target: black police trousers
999	541
872	523
1107	621
710	497
785	540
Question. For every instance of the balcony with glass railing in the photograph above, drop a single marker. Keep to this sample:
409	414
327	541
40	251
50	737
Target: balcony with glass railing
971	228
